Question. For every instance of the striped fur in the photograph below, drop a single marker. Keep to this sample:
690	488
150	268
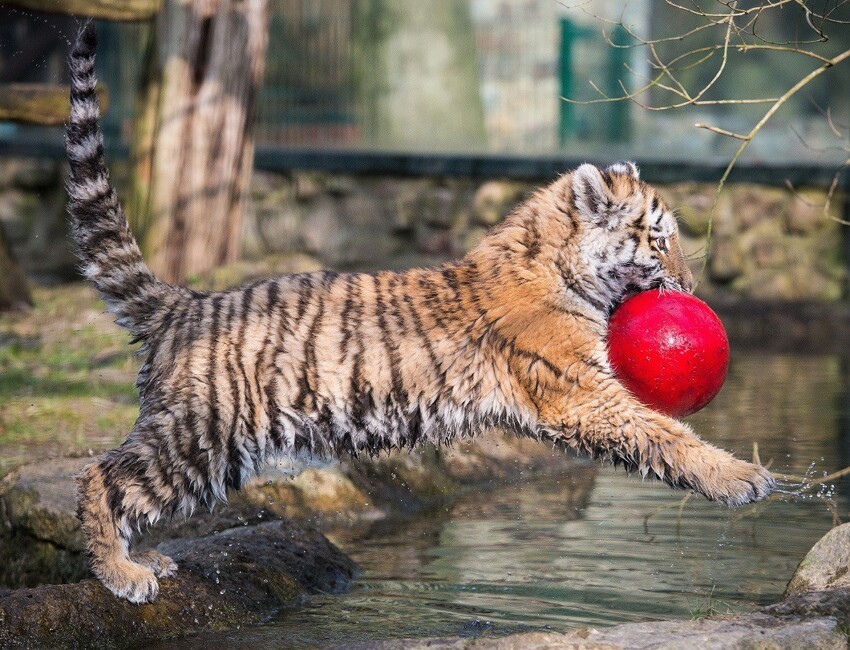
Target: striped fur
512	335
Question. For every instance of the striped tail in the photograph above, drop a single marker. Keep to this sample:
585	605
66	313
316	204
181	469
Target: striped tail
110	256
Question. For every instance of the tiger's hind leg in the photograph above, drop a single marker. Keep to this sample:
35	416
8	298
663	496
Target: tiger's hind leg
108	541
114	495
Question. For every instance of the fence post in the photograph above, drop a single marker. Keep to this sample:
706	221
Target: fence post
565	75
619	124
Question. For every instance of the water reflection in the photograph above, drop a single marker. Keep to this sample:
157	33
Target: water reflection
595	548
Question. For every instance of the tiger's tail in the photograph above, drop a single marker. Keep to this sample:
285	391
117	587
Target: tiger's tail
109	253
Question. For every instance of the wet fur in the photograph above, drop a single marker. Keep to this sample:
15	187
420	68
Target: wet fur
512	335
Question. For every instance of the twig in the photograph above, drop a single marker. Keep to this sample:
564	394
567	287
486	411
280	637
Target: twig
715	129
814	74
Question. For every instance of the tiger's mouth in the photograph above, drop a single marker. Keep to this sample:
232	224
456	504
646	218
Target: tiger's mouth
662	284
670	283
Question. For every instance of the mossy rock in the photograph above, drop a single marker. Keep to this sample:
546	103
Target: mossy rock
826	566
233	578
754	204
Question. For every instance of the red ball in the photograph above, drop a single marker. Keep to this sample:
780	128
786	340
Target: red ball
669	349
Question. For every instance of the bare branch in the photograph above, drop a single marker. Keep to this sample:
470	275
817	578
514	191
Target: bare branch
770	113
715	129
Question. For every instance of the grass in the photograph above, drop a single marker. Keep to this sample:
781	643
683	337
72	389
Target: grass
66	378
709	607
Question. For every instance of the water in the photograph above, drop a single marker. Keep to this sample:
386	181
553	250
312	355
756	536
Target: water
595	547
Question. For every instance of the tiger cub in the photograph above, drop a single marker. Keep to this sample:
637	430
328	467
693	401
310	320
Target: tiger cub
512	335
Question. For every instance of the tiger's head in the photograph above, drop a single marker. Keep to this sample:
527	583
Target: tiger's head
594	236
628	240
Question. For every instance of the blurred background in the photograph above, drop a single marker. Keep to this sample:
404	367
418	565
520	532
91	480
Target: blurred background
393	133
257	137
481	76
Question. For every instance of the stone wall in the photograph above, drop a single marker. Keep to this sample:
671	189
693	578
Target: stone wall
767	243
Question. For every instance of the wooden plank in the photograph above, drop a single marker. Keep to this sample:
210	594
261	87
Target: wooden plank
107	9
43	104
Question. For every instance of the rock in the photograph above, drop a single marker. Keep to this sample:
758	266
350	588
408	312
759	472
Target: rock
756	631
340	185
496	456
811	284
753	204
472	237
831	603
666	635
38	500
315	493
400	482
264	183
403	482
19	211
402	199
308	185
766	284
751	632
236	577
437	243
29	562
827	564
439	206
322	229
272	227
41	541
692	203
726	261
40	537
765	245
494	199
792	283
806	211
29	173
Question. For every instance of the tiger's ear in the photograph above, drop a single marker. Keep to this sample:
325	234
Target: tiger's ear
593	196
625	167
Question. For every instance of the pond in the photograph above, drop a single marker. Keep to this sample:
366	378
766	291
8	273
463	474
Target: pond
595	547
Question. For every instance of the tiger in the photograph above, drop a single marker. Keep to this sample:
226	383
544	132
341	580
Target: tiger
512	335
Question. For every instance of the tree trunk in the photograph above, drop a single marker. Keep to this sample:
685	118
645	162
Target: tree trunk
14	293
193	147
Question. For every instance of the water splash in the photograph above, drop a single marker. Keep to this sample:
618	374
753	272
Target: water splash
809	487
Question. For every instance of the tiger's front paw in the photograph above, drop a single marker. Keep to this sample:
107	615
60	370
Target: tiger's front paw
161	565
126	579
735	482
